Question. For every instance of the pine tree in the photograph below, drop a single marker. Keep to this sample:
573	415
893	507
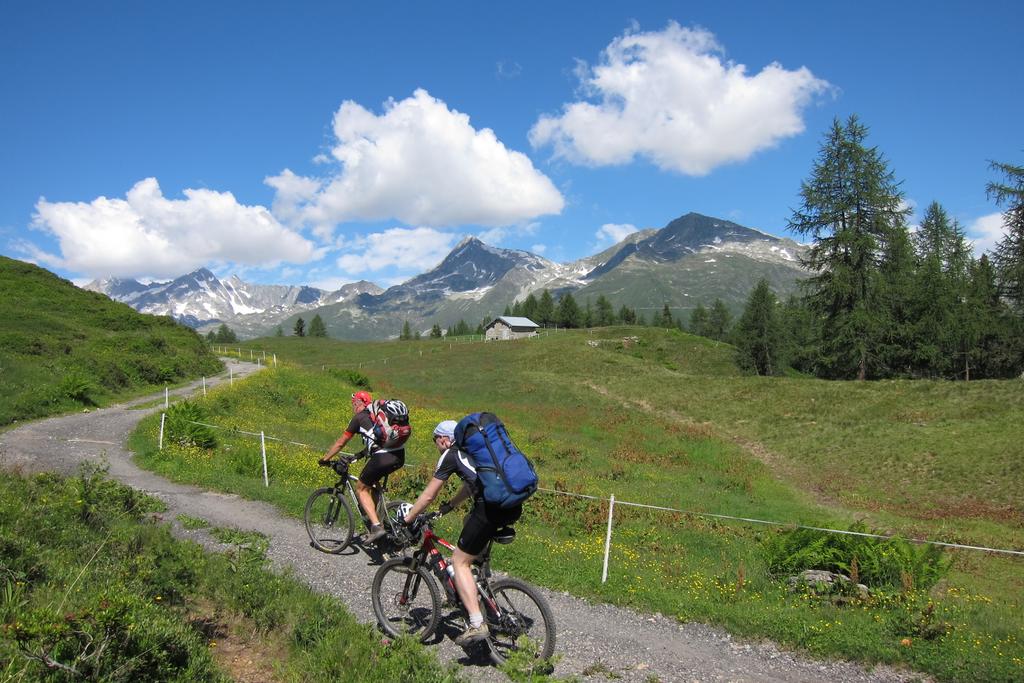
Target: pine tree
719	321
605	314
896	317
435	332
851	206
937	292
759	338
587	318
300	328
995	336
508	311
568	314
666	317
406	331
699	321
279	332
1009	254
626	315
225	335
530	308
211	336
803	333
461	328
545	309
317	327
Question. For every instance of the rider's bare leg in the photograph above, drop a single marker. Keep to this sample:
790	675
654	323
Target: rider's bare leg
367	500
464	583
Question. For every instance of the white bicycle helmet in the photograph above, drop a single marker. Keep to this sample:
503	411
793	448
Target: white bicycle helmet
403	510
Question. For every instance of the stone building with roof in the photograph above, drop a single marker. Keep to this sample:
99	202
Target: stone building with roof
510	327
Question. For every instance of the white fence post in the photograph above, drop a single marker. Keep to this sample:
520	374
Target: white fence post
258	361
263	447
275	360
608	539
166	399
231	376
204	385
163	416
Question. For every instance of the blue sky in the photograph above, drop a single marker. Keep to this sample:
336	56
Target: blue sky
323	143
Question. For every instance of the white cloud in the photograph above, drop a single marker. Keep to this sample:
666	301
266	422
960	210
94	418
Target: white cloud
146	234
615	232
985	232
539	249
420	163
669	96
414	250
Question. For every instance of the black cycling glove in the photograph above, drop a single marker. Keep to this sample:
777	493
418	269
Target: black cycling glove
445	508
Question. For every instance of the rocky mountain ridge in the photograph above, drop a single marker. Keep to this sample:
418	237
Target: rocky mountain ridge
692	260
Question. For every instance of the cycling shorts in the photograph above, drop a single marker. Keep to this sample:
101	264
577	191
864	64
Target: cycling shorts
480	524
381	464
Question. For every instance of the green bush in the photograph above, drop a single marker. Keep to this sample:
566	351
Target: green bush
77	387
356	379
181	427
889	563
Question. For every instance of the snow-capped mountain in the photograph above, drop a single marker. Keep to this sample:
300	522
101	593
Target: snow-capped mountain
692	260
201	300
694	234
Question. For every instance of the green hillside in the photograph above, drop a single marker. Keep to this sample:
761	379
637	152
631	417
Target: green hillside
663	418
63	348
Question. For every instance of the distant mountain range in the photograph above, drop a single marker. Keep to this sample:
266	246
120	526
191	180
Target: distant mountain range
692	260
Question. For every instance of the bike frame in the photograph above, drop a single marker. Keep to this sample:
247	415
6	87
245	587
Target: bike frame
345	483
428	554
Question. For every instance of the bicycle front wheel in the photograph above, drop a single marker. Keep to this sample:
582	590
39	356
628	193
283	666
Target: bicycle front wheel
329	520
519	611
405	602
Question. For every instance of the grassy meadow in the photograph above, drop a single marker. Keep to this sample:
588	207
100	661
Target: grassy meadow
63	348
663	418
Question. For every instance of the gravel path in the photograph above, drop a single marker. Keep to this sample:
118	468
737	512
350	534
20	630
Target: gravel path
604	641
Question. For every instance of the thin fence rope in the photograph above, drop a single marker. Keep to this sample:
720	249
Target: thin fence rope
846	532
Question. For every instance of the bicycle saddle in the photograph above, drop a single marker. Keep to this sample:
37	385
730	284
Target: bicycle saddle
505	535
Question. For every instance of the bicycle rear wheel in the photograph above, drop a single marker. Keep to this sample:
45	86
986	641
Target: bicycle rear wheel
521	611
329	520
405	602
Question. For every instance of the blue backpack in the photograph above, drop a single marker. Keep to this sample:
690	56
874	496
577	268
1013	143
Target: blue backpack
506	475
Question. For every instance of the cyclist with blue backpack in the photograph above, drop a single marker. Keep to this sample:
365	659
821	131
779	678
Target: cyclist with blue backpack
478	450
384	427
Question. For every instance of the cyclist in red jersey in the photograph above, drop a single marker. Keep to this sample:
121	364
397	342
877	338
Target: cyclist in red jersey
381	461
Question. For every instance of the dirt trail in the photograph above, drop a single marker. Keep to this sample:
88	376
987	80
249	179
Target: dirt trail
595	641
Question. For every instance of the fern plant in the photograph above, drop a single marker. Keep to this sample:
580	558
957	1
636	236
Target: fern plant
183	428
878	562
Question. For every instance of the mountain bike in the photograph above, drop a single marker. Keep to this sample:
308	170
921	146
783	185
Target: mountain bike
329	517
406	598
